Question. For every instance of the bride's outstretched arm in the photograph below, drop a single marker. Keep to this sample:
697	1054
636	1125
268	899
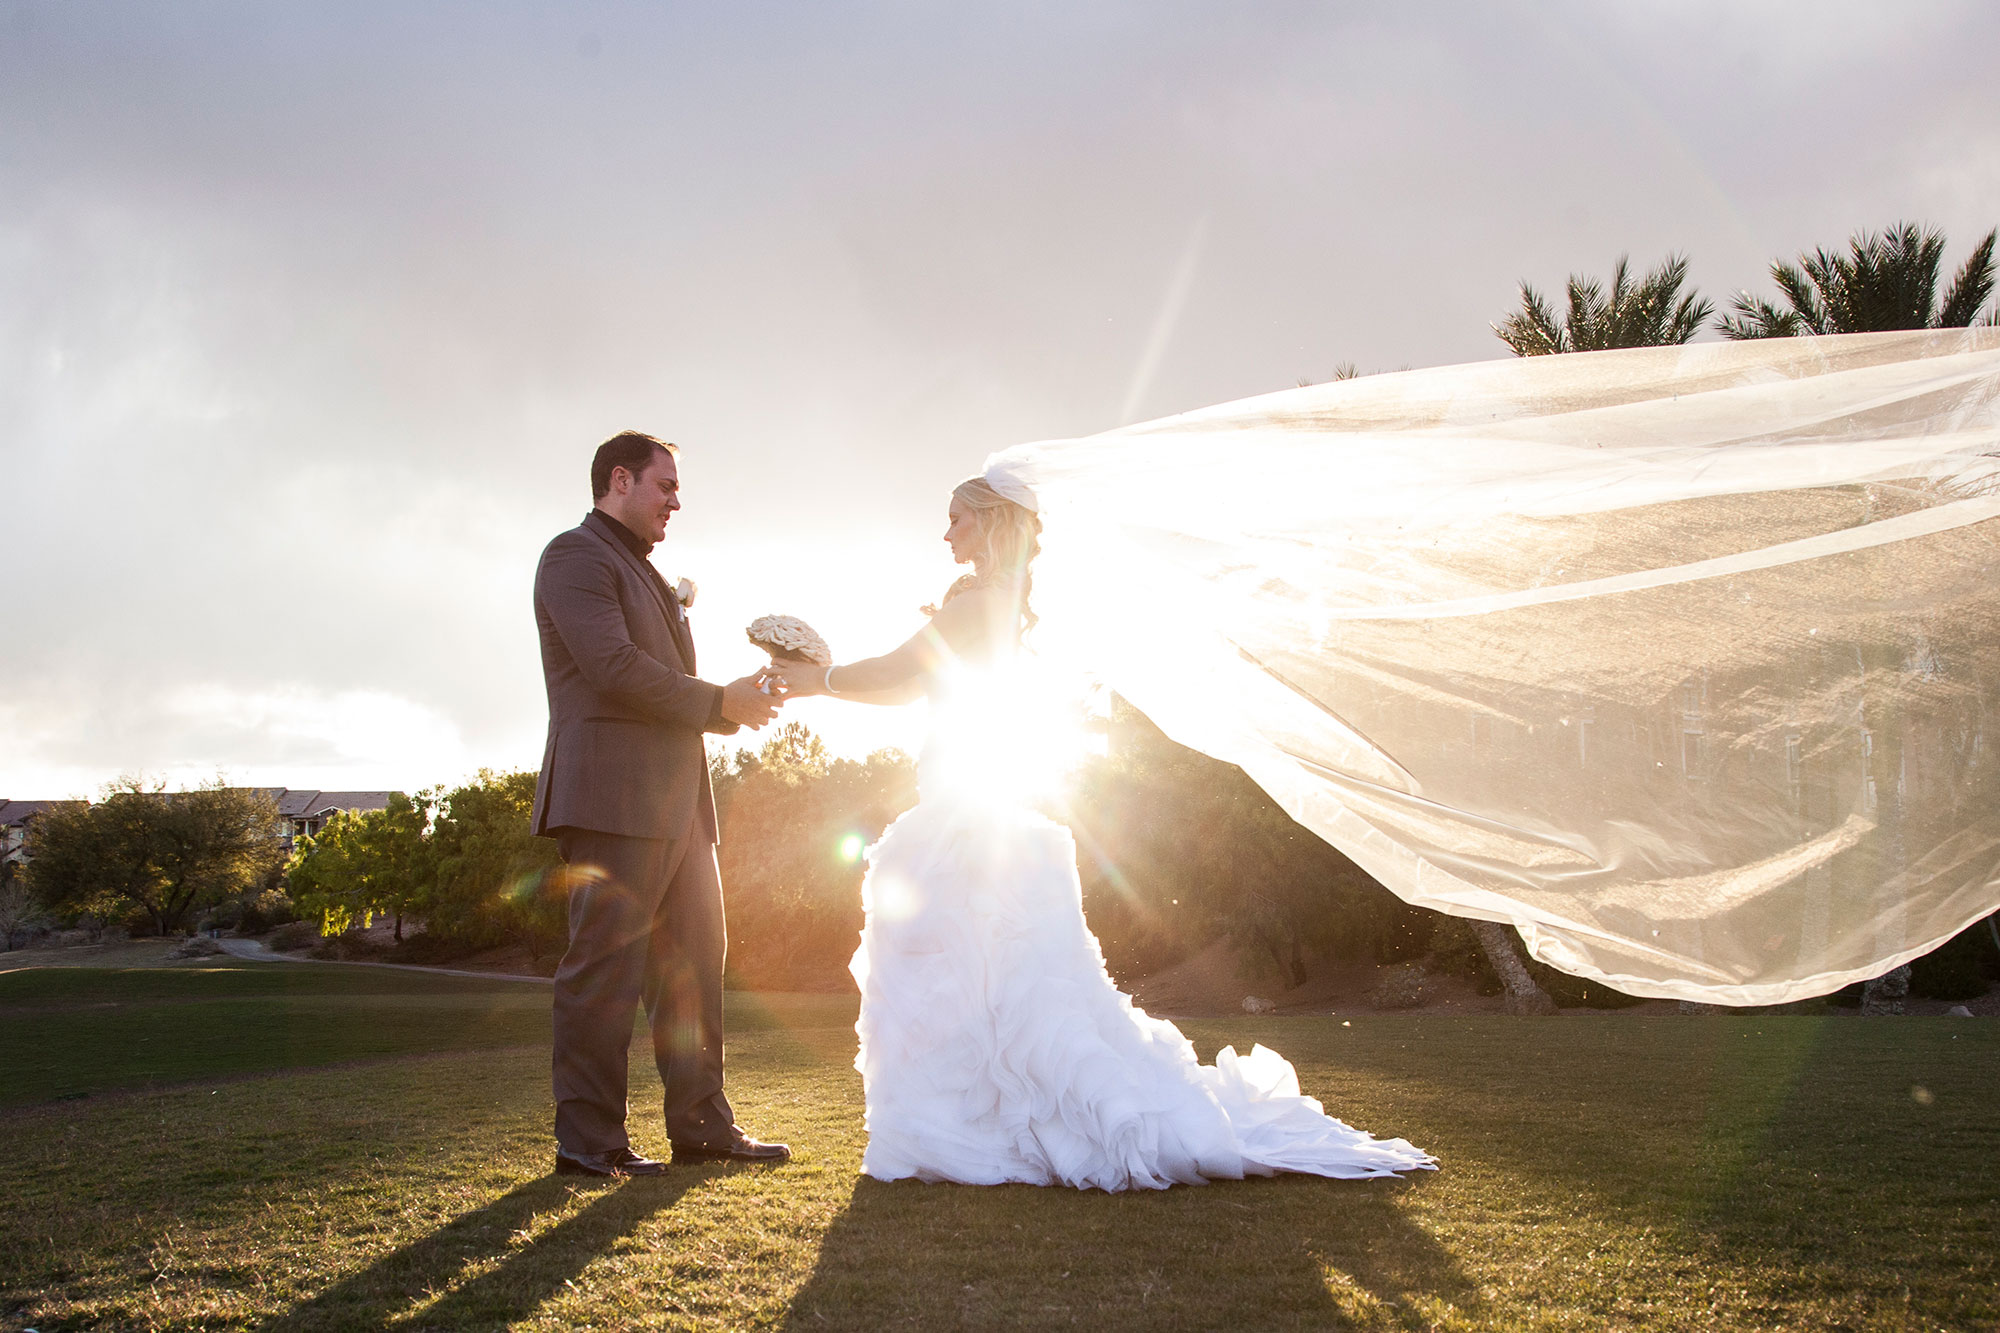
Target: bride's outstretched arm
897	677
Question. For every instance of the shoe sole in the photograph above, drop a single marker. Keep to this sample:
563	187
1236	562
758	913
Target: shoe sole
571	1169
692	1155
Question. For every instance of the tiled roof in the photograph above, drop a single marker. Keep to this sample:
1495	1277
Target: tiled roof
295	804
19	812
299	804
292	802
352	800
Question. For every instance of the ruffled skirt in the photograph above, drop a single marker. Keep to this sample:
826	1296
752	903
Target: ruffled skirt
995	1048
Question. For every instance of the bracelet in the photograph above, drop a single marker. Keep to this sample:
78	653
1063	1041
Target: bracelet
826	680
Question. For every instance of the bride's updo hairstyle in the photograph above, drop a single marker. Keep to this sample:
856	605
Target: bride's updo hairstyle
1009	541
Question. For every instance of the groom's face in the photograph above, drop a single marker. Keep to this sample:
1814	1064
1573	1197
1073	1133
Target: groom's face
652	497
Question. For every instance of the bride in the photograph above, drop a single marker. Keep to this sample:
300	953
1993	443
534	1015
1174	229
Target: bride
994	1046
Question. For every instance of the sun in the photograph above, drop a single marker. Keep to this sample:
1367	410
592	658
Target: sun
1010	733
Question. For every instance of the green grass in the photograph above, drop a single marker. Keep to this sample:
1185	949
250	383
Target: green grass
1599	1172
73	1031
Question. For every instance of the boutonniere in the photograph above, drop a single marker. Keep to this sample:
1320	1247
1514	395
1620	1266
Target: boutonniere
684	592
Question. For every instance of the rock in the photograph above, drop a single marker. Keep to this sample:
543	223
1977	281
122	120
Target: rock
1884	995
1958	1011
198	946
1399	988
1257	1004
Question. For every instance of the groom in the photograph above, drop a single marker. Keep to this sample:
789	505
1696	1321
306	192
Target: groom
624	792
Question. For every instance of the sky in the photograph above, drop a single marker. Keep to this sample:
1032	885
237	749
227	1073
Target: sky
311	315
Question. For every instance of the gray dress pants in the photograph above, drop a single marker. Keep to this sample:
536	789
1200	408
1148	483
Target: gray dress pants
645	928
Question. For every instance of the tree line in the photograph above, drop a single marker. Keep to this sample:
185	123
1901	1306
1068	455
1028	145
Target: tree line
1880	282
1176	851
460	861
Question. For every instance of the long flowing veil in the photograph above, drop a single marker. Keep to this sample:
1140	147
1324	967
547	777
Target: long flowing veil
1680	660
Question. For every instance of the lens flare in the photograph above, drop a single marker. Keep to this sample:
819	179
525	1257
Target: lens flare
1011	732
851	847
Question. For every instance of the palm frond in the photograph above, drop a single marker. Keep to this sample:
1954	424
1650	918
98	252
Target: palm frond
1803	293
1586	314
1650	311
1882	281
1970	288
1756	317
1687	319
1533	329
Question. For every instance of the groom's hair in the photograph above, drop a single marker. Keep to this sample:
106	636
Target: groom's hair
629	449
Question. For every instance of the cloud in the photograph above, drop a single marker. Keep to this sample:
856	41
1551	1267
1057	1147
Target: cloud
314	314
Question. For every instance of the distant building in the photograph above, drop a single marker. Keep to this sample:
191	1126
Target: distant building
15	817
301	814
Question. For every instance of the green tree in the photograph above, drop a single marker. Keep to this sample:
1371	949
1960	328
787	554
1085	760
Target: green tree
794	822
1883	282
366	863
162	852
1654	312
495	881
18	908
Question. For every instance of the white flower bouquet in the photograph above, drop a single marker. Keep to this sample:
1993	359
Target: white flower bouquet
789	639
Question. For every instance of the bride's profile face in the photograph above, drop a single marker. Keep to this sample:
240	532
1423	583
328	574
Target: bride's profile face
962	533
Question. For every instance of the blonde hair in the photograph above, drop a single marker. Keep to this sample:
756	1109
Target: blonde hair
1009	541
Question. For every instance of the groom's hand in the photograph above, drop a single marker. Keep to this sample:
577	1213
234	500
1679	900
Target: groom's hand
746	705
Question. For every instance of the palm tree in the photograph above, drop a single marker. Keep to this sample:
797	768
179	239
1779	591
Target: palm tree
1652	314
1883	282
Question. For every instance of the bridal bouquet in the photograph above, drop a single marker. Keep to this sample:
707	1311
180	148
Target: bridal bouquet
789	639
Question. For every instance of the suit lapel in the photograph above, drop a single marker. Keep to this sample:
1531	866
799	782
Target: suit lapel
657	586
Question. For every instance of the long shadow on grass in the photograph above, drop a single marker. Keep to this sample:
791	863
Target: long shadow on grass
1787	1154
1256	1254
529	1272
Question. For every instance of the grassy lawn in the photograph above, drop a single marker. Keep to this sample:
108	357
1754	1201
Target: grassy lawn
290	1147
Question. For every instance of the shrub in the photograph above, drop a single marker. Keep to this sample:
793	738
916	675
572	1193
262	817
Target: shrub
1401	987
1577	993
1962	968
263	910
350	948
1178	849
293	936
1456	952
425	947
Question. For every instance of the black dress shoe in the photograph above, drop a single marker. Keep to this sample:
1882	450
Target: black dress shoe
617	1162
742	1148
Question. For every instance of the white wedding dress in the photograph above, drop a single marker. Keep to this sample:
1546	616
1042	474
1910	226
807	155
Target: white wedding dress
994	1046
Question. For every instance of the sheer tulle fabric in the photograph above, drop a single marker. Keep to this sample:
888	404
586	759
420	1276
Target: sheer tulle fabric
1678	659
995	1049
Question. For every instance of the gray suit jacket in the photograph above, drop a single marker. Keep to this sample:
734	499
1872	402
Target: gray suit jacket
626	713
